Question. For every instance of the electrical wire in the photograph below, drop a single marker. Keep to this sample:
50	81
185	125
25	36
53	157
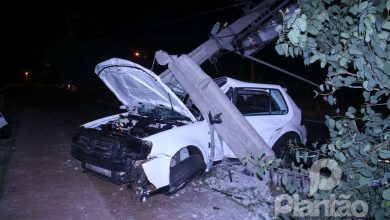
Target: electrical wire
254	11
189	17
236	34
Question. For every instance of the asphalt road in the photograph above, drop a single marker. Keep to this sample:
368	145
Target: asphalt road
45	182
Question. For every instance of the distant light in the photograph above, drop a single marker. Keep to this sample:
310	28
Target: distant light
137	54
225	24
26	74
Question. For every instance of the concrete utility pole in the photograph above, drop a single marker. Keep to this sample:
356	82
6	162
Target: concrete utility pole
236	31
184	73
234	129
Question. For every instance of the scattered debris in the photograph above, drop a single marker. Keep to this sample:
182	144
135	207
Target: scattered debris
248	191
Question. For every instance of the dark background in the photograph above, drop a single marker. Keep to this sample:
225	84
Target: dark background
60	42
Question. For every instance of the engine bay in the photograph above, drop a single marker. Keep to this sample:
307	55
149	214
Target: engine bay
144	121
115	149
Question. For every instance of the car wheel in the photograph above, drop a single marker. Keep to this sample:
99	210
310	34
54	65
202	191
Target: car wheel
282	150
185	171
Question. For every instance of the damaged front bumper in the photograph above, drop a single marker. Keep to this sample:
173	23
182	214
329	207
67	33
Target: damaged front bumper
112	156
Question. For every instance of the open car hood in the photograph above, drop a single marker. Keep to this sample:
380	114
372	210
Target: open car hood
133	84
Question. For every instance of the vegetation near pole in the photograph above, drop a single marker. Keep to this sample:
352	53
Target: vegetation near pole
350	39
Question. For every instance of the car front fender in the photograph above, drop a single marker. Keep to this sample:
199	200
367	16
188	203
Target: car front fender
171	141
157	170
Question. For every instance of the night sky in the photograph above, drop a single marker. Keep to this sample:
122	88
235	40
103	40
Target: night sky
63	41
31	28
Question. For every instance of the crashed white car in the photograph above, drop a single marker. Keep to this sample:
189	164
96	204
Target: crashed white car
161	141
5	130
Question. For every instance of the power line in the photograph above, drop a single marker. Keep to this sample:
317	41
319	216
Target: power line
187	17
280	69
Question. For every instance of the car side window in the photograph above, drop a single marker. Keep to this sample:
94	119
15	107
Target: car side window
278	105
229	94
260	102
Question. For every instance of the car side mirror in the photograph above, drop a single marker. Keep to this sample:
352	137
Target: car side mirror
216	119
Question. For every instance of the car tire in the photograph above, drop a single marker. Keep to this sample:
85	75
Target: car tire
185	171
5	132
282	151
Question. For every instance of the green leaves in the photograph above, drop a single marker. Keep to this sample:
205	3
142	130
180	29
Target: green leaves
349	20
386	68
340	156
362	6
366	172
379	51
386	25
313	30
352	110
330	99
343	61
384	154
305	155
354	50
284	178
331	123
386	194
282	49
314	58
359	63
301	23
354	9
352	40
344	35
293	36
261	171
279	49
366	86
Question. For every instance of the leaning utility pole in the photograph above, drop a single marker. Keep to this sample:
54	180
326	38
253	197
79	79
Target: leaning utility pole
238	31
225	118
185	73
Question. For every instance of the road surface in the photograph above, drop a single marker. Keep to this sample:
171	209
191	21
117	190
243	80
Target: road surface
45	182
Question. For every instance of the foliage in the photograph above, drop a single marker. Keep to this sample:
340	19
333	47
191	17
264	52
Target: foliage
350	39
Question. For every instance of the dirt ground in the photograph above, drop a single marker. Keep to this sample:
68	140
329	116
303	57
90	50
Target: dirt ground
45	182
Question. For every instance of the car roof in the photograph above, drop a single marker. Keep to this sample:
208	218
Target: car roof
230	82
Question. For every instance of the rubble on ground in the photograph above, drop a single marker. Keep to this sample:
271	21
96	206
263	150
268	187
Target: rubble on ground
248	191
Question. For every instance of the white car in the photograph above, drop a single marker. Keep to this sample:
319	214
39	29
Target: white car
161	141
5	130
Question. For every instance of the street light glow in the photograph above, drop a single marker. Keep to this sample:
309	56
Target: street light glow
26	74
137	54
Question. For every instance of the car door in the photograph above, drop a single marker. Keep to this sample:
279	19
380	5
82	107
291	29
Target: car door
264	108
221	148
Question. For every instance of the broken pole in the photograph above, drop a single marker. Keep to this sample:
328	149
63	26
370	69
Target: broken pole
224	38
235	130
